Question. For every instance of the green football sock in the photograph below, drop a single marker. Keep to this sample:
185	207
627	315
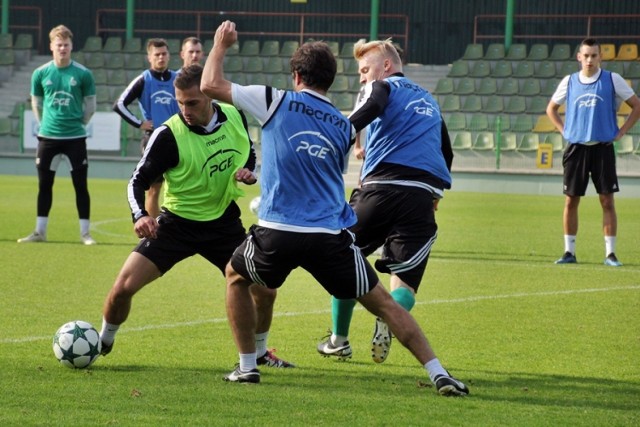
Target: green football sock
404	297
341	313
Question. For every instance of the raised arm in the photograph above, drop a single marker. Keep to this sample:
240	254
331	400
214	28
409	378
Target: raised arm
213	84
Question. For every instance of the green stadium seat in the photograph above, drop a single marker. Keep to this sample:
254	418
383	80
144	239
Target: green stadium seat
633	70
79	57
118	77
340	84
95	60
175	46
92	44
488	86
5	126
529	142
522	123
343	101
335	48
567	68
472	104
508	87
504	123
556	141
450	103
462	141
100	76
459	69
478	122
257	79
238	78
465	86
456	121
484	141
23	48
351	66
545	70
175	62
635	129
538	52
253	65
494	104
516	105
346	51
494	52
6	41
112	44
549	87
135	61
473	51
524	70
538	104
480	69
132	45
502	69
614	67
339	66
114	60
530	87
250	48
516	52
270	48
280	81
288	48
444	86
624	145
233	64
560	52
103	95
508	141
274	65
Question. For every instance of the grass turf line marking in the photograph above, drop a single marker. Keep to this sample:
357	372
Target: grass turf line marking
447	301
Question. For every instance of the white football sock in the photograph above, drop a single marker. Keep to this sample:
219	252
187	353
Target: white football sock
41	225
261	344
609	244
434	368
570	243
248	362
108	332
338	340
84	227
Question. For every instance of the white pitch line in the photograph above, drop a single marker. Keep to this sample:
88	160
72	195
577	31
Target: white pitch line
95	226
326	311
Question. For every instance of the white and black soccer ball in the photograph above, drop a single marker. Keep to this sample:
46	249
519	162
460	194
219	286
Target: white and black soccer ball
254	205
77	344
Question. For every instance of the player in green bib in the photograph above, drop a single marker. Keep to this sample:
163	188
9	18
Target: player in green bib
203	153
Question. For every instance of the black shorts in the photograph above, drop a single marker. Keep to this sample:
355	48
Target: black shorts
580	161
50	152
402	221
267	257
179	238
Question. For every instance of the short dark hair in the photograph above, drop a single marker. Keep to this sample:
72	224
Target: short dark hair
156	43
590	42
193	40
315	64
188	77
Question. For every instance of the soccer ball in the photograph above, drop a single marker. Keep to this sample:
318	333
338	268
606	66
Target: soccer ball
77	344
254	205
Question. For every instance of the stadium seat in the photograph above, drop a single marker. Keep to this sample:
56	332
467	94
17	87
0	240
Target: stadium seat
545	70
355	85
614	67
118	77
459	69
456	121
79	57
465	86
472	104
494	52
560	52
633	70
103	96
538	52
529	142
6	41
92	44
522	123
280	81
502	69
488	86
23	47
238	78
484	141
624	145
343	101
530	87
335	48
5	126
175	62
288	48
233	64
275	65
549	87
544	125
175	46
450	103
444	86
516	105
257	79
135	61
95	60
133	45
524	70
478	122
635	129
112	44
624	109
114	60
339	66
509	86
250	48
462	141
627	52
473	51
567	68
556	141
340	84
608	51
494	104
270	48
502	123
254	65
347	50
508	141
516	52
480	69
100	76
538	104
351	66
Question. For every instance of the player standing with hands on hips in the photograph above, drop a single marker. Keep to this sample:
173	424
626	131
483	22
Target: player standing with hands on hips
593	96
63	100
303	216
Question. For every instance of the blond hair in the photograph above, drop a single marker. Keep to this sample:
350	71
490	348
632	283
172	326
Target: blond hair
60	31
384	47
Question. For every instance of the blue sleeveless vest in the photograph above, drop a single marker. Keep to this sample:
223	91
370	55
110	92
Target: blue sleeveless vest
158	99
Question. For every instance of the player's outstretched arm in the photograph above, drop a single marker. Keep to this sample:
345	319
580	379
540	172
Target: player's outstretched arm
213	84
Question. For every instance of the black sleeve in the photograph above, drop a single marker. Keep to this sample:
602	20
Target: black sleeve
447	151
130	94
161	155
372	106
